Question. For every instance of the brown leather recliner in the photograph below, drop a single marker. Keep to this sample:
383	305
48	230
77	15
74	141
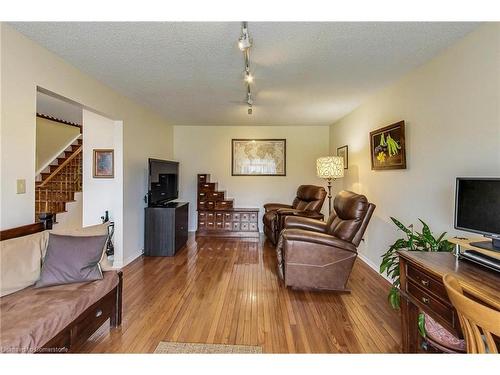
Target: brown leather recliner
308	203
313	254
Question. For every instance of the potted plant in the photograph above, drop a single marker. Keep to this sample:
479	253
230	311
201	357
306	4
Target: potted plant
412	241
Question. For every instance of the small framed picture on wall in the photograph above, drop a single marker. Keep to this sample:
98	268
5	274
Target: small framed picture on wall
344	152
104	163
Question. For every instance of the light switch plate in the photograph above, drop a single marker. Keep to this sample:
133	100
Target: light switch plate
21	186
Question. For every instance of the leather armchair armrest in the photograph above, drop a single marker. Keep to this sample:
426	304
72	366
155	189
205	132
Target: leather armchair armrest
310	214
305	223
275	206
301	235
287	211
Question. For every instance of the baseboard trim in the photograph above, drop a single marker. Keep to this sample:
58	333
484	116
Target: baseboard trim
373	266
127	261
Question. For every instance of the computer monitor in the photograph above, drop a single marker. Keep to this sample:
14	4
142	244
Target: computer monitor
477	209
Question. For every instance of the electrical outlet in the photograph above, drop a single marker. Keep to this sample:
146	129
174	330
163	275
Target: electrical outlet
21	186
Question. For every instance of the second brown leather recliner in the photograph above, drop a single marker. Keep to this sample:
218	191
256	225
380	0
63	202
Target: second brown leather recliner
308	203
313	254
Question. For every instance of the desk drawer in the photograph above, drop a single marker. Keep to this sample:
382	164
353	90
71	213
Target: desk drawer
428	283
428	301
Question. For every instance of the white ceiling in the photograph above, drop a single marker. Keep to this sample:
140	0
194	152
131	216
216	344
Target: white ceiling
60	109
192	73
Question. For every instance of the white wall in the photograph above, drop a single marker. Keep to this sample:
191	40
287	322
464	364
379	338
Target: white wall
103	194
52	138
451	108
26	65
207	149
73	217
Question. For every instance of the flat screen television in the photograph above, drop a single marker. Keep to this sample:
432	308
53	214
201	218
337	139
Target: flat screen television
477	209
163	182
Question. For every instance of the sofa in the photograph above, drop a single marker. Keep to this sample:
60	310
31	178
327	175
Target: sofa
54	318
308	203
313	254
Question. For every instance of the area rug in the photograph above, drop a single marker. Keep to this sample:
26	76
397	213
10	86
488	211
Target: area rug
189	348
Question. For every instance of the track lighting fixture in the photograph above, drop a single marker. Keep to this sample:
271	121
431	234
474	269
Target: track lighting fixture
244	44
248	77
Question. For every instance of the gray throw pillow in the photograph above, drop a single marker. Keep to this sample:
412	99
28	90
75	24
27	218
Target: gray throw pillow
71	259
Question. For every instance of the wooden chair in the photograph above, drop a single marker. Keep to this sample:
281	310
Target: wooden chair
479	323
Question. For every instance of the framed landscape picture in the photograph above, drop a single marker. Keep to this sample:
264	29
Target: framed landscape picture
344	152
104	164
387	147
258	157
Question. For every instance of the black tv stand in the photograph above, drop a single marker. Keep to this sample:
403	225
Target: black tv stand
493	245
165	228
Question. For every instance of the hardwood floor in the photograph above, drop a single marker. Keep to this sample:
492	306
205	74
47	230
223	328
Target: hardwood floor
226	291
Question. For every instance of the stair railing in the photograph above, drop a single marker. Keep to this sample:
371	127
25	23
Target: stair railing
60	185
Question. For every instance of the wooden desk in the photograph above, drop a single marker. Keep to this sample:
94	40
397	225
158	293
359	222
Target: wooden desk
422	289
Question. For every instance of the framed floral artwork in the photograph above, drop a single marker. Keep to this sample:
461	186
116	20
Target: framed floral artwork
388	148
104	164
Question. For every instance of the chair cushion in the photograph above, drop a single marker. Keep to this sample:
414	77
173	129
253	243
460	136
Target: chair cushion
350	210
32	317
436	332
309	197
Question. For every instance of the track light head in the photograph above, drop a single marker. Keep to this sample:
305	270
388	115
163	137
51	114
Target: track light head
249	99
245	42
248	77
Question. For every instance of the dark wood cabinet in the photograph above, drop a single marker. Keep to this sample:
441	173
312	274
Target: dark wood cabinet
217	215
166	229
422	290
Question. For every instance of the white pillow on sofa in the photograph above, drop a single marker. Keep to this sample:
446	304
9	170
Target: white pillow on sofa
20	261
93	230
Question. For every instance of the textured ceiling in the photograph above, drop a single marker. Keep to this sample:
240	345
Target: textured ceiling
192	73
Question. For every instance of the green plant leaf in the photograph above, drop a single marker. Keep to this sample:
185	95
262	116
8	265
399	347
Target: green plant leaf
440	238
383	266
394	298
421	324
401	226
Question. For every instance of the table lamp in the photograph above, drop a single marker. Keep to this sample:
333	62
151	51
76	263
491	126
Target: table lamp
330	168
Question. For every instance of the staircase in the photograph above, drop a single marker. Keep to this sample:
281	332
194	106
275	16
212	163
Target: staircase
59	182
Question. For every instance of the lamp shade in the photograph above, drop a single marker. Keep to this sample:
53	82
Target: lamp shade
330	167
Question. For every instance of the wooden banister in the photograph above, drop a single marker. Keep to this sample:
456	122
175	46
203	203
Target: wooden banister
61	167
